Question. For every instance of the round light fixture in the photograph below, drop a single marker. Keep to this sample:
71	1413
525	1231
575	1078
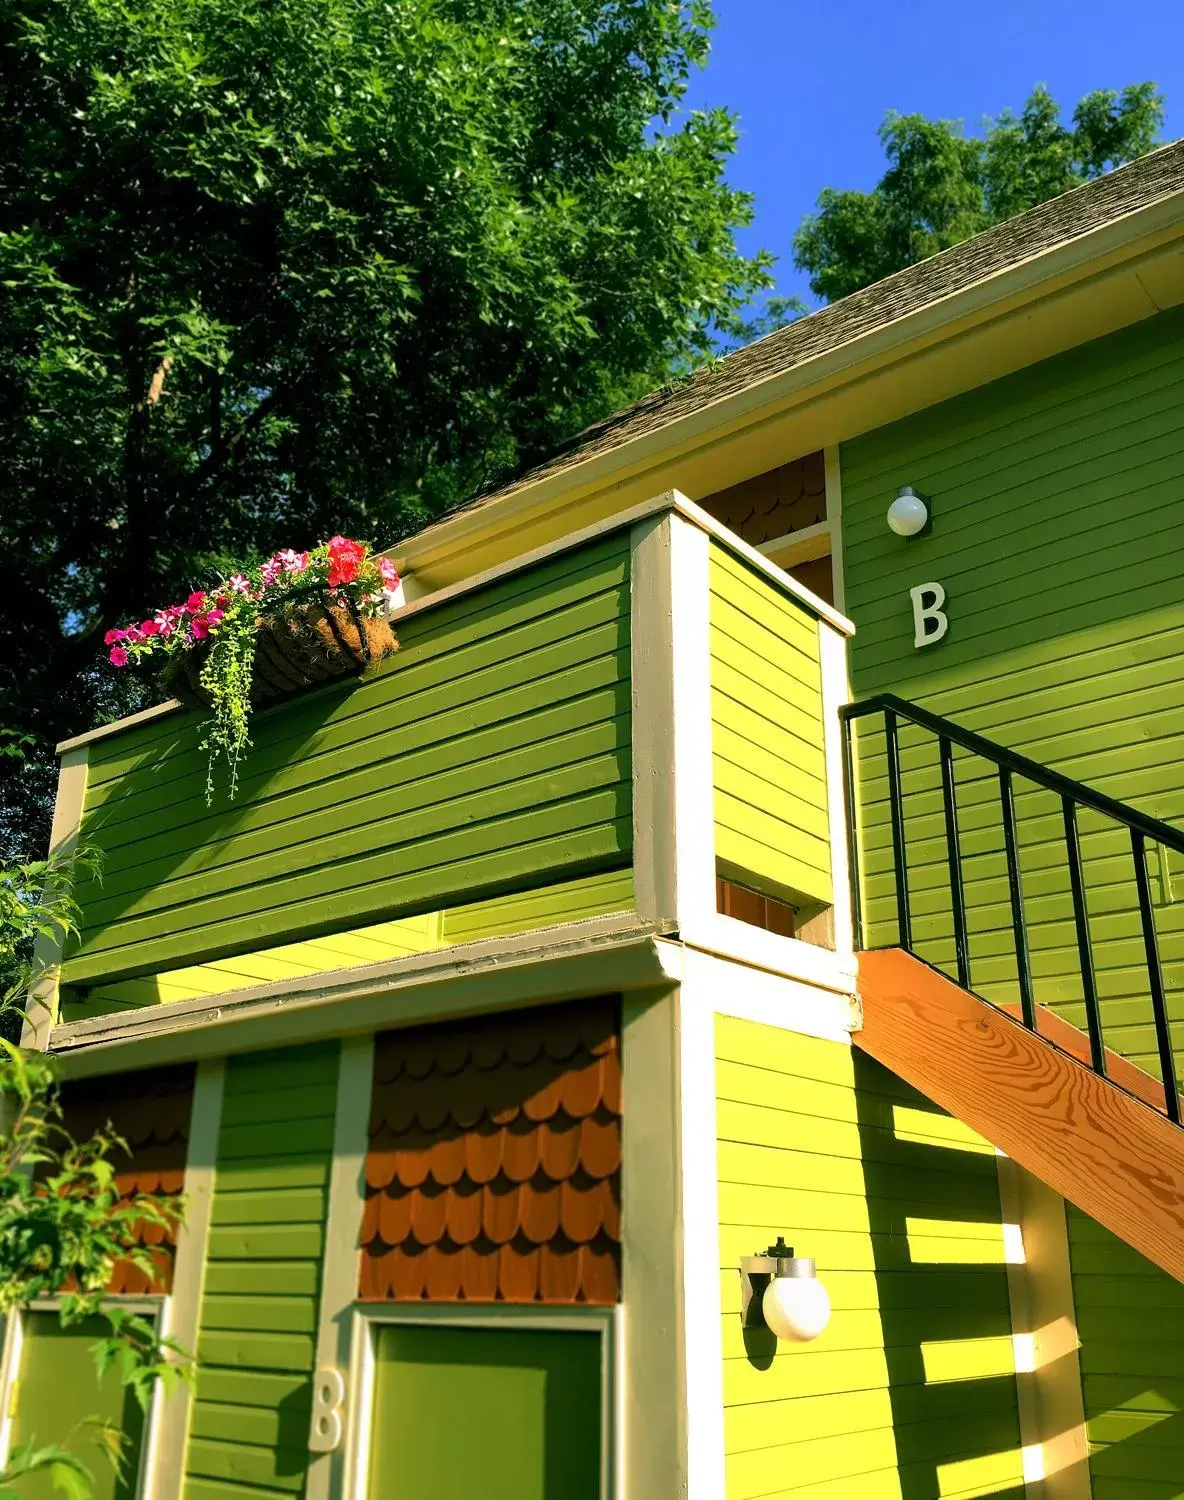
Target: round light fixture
908	514
796	1305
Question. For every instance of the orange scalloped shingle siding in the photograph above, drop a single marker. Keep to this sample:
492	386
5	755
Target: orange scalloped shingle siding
494	1168
151	1112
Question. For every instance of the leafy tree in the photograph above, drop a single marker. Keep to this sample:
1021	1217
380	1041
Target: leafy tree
941	186
63	1224
275	271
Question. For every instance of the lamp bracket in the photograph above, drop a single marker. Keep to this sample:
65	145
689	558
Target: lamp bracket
756	1271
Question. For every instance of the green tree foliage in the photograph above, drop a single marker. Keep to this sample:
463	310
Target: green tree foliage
63	1225
941	186
272	271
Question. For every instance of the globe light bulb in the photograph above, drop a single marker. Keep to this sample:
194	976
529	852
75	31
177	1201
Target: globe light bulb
796	1307
908	514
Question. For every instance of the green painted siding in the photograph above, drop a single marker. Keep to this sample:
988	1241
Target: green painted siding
910	1393
503	1414
768	758
57	1396
1130	1318
492	753
256	1342
1059	537
568	901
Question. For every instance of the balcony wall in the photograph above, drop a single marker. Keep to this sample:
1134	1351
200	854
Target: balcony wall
491	756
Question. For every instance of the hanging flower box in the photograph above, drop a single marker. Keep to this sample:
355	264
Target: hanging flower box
299	619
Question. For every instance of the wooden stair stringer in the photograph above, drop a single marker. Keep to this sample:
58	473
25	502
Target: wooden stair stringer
1111	1155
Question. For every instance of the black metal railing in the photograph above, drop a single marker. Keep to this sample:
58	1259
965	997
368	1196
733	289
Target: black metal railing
1074	796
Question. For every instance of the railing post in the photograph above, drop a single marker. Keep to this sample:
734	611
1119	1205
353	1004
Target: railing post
1089	986
1159	1007
1015	890
852	831
954	859
904	925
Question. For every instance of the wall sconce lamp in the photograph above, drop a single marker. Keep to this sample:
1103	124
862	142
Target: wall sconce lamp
781	1291
908	515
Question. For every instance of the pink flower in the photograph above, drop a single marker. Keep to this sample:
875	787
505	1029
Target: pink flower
270	571
239	583
165	621
149	627
390	574
199	627
222	602
215	618
345	559
117	656
113	636
195	604
291	562
133	633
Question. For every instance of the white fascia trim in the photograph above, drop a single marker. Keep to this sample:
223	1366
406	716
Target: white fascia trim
887	344
791	958
598	956
690	745
667	500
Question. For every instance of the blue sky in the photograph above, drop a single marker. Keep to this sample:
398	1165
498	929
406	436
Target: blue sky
811	83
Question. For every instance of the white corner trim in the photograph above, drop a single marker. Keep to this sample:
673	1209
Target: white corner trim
41	1006
343	1223
701	1303
653	1371
651	646
835	693
1044	1327
832	461
165	1467
690	747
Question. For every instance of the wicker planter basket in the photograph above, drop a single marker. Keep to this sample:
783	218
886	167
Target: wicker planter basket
306	645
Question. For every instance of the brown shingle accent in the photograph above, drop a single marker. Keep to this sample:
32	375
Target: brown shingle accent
775	503
494	1166
151	1112
1107	199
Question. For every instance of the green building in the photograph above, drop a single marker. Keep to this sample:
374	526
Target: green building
713	863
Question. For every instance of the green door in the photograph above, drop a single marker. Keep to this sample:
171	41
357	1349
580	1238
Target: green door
500	1414
58	1398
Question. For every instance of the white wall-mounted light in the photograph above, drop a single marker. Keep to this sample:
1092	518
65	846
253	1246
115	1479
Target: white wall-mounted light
781	1290
908	515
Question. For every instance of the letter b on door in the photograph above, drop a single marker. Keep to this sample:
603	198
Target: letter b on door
930	621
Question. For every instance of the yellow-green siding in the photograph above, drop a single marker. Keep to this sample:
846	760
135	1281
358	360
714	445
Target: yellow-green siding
1059	538
910	1394
569	901
1130	1319
491	754
768	752
1058	535
256	1341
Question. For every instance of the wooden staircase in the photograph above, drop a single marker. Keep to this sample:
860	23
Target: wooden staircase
1113	1155
1095	1128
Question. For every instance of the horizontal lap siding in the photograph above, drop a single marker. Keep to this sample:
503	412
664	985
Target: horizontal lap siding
568	901
257	1327
767	735
911	1390
1130	1319
493	752
1058	536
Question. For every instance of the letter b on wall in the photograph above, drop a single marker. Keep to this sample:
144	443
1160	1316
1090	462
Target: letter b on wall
930	621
